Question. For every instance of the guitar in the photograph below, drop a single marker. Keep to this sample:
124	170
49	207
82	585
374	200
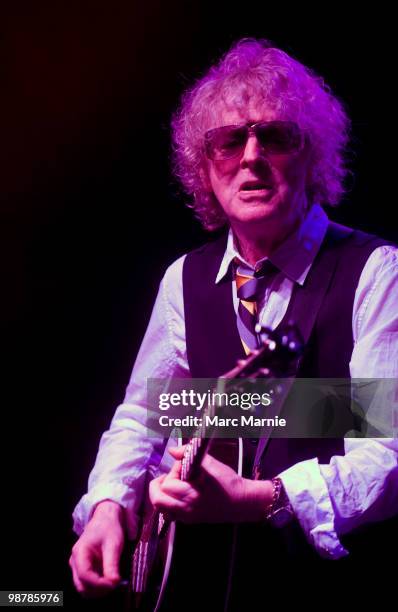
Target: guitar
151	563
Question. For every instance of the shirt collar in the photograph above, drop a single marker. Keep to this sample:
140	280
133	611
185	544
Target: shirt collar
295	255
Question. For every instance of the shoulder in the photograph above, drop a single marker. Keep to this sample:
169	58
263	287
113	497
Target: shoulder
381	263
363	238
211	250
349	237
358	252
172	279
375	316
376	295
205	261
214	247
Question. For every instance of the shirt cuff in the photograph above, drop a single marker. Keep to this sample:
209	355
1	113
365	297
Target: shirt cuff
309	497
117	492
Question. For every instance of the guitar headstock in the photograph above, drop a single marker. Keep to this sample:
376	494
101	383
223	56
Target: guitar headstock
276	357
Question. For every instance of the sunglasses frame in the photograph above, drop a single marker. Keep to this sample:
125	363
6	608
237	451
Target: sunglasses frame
252	128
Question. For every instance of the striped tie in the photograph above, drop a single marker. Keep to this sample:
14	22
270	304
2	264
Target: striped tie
250	285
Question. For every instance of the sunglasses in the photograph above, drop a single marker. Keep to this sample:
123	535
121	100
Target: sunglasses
277	137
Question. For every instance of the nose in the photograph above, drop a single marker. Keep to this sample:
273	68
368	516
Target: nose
253	152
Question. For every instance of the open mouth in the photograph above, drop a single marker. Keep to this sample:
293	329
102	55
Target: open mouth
256	185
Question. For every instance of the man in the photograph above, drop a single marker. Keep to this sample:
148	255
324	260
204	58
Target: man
259	143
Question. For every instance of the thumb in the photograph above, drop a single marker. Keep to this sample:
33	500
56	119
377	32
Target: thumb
111	554
177	451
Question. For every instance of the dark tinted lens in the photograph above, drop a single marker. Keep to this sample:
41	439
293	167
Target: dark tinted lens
279	136
225	142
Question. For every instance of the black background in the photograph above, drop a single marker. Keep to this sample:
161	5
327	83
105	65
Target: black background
90	216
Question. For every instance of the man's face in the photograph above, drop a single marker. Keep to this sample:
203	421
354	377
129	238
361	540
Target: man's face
257	190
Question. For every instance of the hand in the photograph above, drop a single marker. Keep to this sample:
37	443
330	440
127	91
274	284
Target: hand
218	495
96	555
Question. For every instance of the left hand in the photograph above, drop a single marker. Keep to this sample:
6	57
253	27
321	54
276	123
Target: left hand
217	495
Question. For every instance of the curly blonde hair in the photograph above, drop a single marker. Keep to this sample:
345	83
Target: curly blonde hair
254	69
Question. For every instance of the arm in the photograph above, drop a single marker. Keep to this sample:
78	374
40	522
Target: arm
361	486
116	484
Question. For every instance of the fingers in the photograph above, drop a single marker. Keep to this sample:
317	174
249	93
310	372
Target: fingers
95	563
179	489
76	580
86	577
168	504
169	485
177	453
175	472
172	497
209	464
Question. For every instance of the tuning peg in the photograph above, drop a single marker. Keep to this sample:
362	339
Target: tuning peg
267	336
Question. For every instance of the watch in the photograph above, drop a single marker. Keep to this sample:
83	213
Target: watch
280	511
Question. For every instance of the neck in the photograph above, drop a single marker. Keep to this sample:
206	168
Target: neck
256	247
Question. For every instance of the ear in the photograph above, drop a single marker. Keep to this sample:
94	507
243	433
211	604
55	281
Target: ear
204	177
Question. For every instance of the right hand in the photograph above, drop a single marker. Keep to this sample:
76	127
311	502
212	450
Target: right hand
96	555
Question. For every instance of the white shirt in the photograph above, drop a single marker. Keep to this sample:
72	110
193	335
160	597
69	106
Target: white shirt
328	500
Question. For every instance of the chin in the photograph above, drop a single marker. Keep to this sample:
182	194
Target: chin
261	211
256	219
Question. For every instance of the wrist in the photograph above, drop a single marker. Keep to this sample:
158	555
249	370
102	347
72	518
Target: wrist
259	497
108	509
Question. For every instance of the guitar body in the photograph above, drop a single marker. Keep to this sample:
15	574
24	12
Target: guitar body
154	559
201	569
174	574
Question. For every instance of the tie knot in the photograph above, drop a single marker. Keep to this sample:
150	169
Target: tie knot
265	269
250	282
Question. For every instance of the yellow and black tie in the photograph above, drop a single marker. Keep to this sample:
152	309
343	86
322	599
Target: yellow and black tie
250	285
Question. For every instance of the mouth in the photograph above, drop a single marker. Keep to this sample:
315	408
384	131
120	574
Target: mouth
254	186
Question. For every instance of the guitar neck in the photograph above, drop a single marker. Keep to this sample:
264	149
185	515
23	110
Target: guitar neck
193	456
197	447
